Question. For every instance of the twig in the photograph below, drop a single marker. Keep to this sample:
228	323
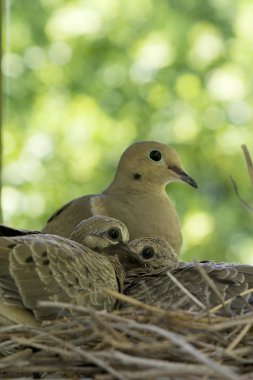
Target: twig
185	346
243	202
218	307
14	328
20	355
103	327
239	337
231	323
250	171
175	368
110	292
172	367
248	162
73	349
35	368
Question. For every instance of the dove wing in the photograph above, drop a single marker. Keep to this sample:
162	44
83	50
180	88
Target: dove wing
64	220
53	268
158	288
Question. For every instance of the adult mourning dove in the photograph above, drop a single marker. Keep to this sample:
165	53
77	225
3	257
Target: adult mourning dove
39	267
136	196
158	283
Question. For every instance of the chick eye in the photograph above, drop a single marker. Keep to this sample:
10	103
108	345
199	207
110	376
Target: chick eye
114	233
147	253
155	155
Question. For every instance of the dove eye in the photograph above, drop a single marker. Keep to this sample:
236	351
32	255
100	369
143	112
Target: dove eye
155	155
147	253
114	233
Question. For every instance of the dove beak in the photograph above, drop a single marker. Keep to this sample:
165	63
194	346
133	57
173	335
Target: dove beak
183	176
124	253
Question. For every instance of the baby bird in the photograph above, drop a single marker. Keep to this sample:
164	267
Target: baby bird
159	283
42	267
136	196
155	253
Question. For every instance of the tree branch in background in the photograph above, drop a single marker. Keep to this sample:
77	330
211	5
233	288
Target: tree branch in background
248	162
250	171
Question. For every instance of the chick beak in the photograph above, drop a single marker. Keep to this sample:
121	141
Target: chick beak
124	254
184	176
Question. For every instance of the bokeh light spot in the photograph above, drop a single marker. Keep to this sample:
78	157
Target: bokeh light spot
12	201
207	45
226	84
60	53
197	226
239	112
152	54
185	128
35	58
34	203
229	141
12	65
188	86
114	75
244	25
39	145
73	21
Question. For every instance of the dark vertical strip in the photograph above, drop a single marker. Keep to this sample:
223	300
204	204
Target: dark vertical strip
1	106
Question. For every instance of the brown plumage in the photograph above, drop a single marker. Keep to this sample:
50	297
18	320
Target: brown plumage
155	285
39	267
136	196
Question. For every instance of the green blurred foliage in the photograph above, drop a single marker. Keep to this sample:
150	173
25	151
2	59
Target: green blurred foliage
84	79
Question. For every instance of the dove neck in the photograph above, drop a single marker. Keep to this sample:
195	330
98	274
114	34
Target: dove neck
135	183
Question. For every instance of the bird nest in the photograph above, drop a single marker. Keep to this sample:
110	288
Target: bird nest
140	342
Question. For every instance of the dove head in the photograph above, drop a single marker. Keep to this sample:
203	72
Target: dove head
155	252
152	162
99	232
108	236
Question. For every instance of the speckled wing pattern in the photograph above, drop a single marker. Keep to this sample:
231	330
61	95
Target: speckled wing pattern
155	287
42	267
